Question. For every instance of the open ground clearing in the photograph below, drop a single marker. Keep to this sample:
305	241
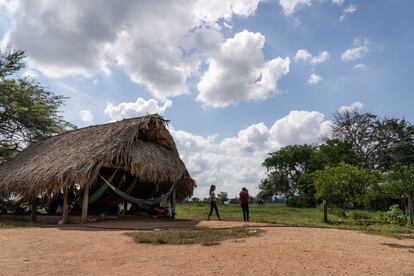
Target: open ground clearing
277	251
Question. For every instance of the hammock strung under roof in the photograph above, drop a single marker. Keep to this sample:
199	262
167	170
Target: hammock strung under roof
154	201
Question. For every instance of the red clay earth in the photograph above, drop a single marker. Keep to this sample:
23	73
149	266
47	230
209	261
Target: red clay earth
278	251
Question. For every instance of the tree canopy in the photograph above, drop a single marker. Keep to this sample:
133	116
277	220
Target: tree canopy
28	111
360	143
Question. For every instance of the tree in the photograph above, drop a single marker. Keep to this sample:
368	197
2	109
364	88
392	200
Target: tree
331	153
344	185
28	111
284	168
223	196
361	130
195	200
400	182
377	142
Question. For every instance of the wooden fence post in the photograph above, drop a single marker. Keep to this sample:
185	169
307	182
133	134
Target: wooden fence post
33	210
410	208
325	211
65	209
85	204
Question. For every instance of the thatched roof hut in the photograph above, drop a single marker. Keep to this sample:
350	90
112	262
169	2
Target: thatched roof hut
142	146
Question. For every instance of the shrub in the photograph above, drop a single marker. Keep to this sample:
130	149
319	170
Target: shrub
395	216
299	202
344	185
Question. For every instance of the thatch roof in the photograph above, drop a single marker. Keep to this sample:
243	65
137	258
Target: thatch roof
143	146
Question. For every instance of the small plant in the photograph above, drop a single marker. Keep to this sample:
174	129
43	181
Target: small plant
355	215
395	216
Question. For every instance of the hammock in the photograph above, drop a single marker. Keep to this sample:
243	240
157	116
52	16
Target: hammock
154	201
97	195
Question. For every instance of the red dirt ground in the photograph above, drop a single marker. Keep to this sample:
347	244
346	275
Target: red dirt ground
278	251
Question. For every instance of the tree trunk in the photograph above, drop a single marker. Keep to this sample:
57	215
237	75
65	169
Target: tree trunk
65	209
85	204
403	205
410	208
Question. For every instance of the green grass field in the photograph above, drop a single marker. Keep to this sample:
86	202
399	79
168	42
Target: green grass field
369	221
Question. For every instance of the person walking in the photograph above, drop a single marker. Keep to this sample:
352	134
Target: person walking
213	202
244	203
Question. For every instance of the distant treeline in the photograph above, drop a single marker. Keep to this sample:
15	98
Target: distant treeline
366	163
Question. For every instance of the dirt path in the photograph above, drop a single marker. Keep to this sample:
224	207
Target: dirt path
279	251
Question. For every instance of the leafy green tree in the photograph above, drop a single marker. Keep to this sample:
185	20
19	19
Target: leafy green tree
400	182
284	167
361	130
28	111
331	153
223	196
195	200
344	185
378	143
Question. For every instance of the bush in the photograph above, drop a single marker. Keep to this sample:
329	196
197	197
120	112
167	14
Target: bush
299	202
395	216
344	185
358	215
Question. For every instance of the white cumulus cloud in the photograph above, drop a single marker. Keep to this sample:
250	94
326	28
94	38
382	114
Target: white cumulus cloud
144	38
361	66
140	107
359	50
355	106
314	79
338	2
348	10
86	116
239	72
304	55
234	162
290	6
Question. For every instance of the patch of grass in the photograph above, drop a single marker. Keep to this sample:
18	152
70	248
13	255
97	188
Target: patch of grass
362	220
205	237
9	225
396	245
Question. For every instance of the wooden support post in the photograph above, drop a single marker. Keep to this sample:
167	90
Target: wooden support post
65	209
325	211
173	202
85	204
125	207
33	214
410	208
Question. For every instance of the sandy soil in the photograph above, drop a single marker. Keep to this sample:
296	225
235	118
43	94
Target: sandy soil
278	251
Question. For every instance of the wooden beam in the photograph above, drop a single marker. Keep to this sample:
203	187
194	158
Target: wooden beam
33	214
85	204
65	209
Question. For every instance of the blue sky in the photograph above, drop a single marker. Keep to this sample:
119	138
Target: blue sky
234	77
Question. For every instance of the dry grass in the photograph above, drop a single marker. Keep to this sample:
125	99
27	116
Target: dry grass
205	237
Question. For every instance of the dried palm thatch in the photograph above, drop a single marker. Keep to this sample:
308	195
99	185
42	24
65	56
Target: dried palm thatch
143	146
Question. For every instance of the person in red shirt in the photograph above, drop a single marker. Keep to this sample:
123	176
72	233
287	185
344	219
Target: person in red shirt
244	203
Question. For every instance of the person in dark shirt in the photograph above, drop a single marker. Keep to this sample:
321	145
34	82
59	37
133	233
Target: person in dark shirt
244	203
